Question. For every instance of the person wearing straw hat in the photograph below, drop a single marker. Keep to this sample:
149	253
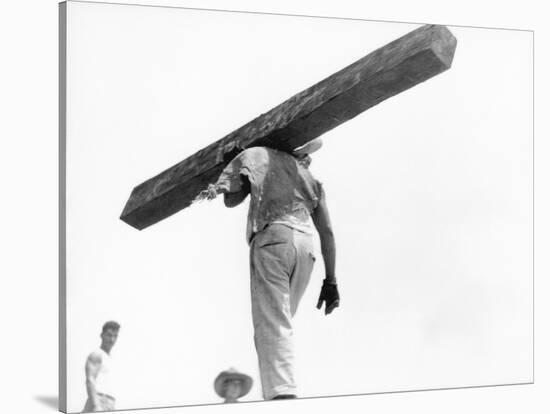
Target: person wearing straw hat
232	385
284	197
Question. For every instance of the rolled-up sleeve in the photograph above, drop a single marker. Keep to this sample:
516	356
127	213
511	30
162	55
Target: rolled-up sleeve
244	164
230	180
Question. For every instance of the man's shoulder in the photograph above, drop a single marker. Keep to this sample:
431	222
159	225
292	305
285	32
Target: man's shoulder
264	157
256	150
254	155
95	356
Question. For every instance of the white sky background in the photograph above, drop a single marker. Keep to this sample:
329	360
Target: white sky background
430	195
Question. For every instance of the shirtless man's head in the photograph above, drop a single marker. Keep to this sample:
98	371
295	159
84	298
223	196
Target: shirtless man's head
109	335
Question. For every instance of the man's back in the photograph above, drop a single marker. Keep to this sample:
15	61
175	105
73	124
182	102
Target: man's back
281	189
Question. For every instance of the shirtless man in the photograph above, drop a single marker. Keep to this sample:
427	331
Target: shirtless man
98	383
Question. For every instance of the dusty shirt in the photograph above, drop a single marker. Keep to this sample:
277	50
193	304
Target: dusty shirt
281	189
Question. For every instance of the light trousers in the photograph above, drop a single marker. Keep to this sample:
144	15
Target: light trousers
281	262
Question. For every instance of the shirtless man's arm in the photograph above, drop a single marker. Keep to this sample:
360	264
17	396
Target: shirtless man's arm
93	364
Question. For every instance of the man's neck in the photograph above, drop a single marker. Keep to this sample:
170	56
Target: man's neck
105	349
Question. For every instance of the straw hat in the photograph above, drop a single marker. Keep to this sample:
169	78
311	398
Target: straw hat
229	375
308	148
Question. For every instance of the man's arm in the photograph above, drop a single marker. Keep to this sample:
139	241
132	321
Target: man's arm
232	199
232	195
321	220
93	363
329	291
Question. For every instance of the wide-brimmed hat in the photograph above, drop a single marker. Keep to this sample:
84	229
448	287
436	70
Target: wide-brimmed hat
309	147
229	375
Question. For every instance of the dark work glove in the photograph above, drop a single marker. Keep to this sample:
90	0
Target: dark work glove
329	295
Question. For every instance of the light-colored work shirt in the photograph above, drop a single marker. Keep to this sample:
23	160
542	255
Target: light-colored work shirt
281	189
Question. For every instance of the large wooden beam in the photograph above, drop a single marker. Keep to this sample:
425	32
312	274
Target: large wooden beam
401	64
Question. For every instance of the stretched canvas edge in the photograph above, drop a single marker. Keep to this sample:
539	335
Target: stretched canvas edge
62	330
62	193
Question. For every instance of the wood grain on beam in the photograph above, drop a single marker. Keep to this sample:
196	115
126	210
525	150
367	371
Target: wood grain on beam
389	70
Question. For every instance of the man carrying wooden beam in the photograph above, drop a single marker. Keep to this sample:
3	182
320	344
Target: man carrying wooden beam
284	197
389	70
267	158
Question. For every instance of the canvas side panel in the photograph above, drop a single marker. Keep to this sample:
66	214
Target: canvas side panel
62	206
